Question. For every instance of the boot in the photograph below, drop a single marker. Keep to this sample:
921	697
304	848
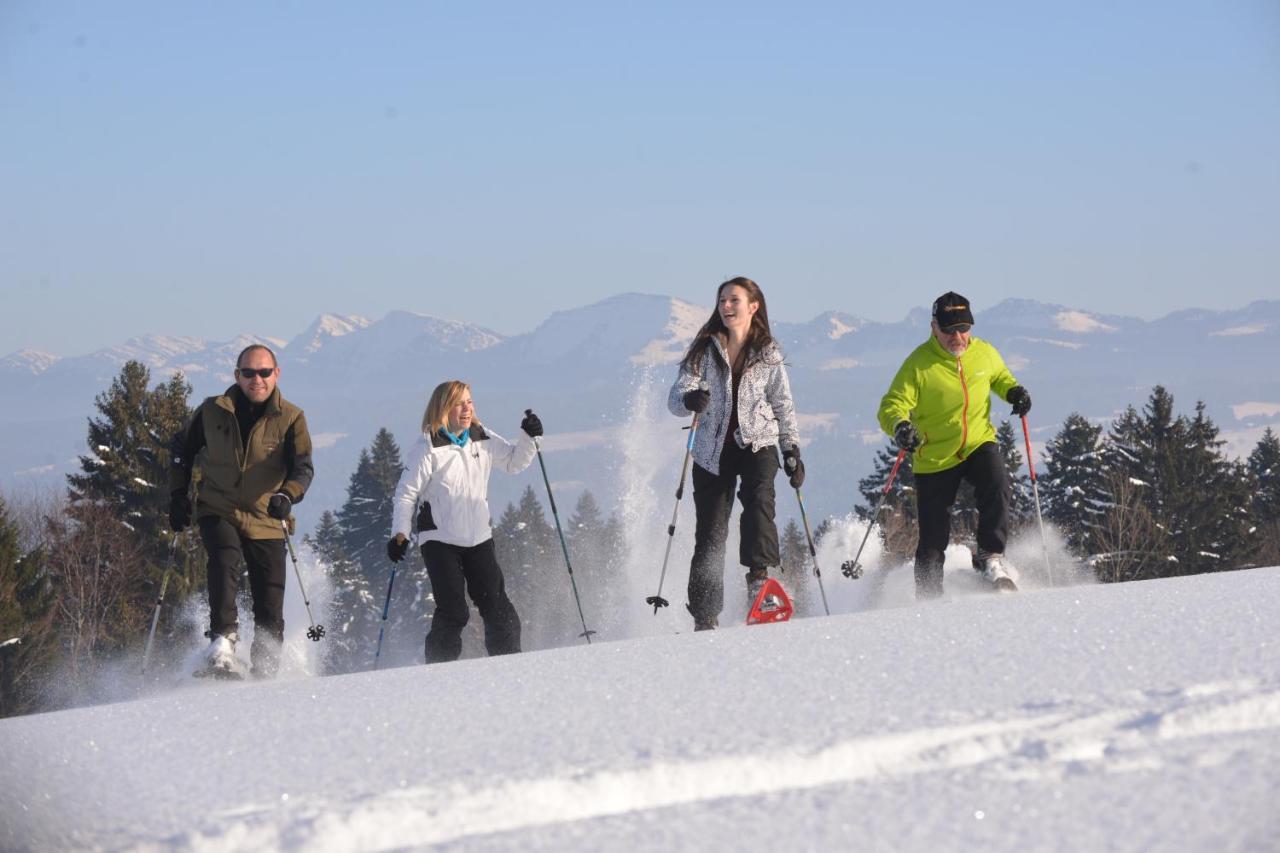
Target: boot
996	571
221	655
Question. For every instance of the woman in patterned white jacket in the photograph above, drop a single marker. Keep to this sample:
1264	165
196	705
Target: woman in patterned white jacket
734	379
447	482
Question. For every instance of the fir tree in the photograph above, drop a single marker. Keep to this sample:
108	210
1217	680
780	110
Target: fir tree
1022	506
1073	480
26	621
1264	468
797	568
901	495
127	467
528	553
596	546
355	543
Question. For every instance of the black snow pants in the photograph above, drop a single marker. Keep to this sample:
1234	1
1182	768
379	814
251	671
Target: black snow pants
713	502
455	572
935	494
265	560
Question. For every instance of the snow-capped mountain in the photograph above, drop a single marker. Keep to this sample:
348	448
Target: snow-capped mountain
587	370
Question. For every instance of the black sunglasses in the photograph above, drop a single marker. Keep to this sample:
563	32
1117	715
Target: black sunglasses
957	329
249	372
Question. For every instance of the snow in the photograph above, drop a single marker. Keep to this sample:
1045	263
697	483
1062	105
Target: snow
1239	331
11	642
1085	717
1080	322
1255	409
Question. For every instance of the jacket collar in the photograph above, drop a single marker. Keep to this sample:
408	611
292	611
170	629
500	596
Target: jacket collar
228	400
476	433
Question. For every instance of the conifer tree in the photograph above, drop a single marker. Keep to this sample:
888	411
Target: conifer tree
596	547
1264	468
26	621
1021	503
901	497
797	568
127	467
355	608
528	553
1073	480
358	537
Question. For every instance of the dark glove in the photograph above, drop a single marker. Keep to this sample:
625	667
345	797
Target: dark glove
179	511
531	424
397	547
906	436
793	466
279	505
1020	399
697	400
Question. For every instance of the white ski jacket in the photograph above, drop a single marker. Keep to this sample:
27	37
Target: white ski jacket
452	483
766	412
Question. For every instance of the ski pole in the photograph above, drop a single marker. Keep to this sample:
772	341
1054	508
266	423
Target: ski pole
813	552
315	632
586	632
1035	492
657	600
852	568
386	605
155	617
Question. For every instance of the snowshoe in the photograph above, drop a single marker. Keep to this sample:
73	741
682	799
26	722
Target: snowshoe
770	604
220	660
996	572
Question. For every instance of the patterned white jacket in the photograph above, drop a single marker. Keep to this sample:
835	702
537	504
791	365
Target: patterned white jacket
766	412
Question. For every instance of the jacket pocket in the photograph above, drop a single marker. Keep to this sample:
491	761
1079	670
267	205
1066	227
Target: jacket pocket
425	520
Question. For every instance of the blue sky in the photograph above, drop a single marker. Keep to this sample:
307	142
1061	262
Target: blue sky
211	169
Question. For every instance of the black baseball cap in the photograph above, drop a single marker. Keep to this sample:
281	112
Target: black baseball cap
952	309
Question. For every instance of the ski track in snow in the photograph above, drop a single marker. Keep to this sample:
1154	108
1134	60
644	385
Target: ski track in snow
1053	743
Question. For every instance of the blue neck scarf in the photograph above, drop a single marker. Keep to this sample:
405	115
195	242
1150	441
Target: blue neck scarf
460	440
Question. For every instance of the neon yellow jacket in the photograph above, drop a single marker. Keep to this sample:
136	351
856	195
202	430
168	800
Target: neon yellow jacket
948	399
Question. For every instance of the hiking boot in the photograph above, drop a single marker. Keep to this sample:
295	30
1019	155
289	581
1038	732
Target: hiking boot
707	623
996	571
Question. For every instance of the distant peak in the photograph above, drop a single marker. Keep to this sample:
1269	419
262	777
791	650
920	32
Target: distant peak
29	360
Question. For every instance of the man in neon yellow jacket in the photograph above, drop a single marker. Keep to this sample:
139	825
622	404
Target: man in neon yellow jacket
938	407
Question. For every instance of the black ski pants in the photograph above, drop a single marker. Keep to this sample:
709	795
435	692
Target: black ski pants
935	495
456	572
264	559
713	502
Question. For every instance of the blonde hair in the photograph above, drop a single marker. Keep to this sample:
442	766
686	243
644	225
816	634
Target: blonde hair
445	397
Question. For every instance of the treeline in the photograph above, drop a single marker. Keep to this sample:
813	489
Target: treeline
353	542
1152	495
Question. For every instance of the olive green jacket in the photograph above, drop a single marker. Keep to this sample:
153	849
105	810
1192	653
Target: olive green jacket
948	399
237	481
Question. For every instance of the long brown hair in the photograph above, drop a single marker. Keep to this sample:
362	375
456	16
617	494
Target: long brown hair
445	397
759	337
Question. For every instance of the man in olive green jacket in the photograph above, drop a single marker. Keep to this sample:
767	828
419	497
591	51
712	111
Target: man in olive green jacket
939	406
254	454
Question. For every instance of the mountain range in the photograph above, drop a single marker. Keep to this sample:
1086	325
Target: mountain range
598	376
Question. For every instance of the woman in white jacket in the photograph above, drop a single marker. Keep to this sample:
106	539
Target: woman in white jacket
734	378
447	481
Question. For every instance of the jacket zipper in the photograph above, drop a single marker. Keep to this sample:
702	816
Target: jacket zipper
964	413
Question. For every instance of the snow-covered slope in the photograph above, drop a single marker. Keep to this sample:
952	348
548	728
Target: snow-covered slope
1143	716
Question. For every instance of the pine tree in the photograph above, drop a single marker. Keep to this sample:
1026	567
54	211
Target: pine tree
797	568
364	521
901	494
1073	480
1264	467
355	543
127	468
596	547
26	622
529	554
1022	506
355	608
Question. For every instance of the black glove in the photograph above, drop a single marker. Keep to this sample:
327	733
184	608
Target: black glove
697	400
793	466
531	424
906	436
279	505
179	511
397	547
1020	399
